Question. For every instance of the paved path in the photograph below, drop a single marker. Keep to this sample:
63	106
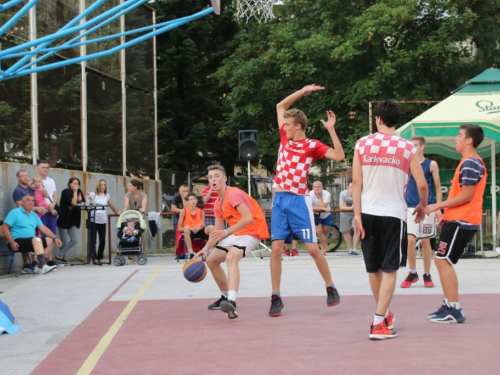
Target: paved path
149	320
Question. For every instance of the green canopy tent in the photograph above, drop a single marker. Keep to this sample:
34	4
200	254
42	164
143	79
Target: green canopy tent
477	102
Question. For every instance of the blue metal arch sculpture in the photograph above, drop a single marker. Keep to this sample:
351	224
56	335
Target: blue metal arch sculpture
40	49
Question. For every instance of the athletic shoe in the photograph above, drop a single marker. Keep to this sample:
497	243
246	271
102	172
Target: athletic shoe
428	281
276	305
46	269
27	270
389	320
333	297
450	315
381	332
61	260
229	307
441	309
216	304
287	253
191	255
354	252
35	268
295	253
410	279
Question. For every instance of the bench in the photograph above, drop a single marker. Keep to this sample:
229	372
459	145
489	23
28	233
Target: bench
6	252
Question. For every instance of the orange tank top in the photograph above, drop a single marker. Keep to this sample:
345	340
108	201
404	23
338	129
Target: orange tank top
190	220
469	212
259	226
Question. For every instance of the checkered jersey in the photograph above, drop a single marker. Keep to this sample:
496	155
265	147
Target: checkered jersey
385	160
294	161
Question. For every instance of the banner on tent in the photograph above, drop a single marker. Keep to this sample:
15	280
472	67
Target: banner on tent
447	174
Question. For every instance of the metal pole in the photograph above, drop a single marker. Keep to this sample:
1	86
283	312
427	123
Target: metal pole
83	52
124	97
157	172
249	180
370	120
34	91
493	194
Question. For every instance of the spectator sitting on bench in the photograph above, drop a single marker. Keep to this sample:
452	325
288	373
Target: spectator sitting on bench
19	229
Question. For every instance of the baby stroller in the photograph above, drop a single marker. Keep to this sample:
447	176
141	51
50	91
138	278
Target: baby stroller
130	227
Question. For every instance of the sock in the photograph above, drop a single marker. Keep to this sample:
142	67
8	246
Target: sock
27	265
231	295
455	305
190	251
51	263
386	312
413	271
277	293
445	300
427	273
224	294
333	285
377	319
41	260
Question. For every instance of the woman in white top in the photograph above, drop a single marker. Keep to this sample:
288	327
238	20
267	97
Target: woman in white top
101	196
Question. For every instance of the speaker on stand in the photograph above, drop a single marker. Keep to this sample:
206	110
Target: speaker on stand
248	148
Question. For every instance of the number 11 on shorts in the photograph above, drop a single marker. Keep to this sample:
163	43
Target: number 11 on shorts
306	234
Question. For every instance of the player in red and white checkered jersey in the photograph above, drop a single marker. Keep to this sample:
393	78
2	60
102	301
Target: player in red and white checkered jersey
380	168
292	208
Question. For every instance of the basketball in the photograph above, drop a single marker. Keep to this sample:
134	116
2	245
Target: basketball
194	270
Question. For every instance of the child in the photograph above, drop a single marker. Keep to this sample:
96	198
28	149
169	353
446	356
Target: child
131	230
40	193
192	223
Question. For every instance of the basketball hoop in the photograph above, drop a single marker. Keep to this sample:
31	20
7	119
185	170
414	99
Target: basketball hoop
262	10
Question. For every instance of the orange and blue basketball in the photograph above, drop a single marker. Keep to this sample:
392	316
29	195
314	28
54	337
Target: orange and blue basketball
194	270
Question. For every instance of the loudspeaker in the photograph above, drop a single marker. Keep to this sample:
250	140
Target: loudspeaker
248	144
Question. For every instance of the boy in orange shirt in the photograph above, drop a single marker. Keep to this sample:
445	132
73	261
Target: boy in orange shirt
192	223
247	227
461	220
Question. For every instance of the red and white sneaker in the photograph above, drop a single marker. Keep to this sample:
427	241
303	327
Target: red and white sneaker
295	253
286	253
428	281
389	320
410	279
381	332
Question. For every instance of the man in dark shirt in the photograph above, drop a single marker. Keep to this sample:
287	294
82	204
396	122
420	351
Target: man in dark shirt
178	202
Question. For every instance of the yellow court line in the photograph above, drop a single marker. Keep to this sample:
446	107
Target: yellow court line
99	350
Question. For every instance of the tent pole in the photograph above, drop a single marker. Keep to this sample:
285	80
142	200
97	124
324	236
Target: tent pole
493	194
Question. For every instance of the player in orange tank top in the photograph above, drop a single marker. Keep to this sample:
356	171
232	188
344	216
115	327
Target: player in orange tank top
247	227
192	223
461	220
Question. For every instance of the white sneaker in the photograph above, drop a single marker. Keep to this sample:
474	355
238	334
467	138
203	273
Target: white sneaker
349	252
46	269
355	252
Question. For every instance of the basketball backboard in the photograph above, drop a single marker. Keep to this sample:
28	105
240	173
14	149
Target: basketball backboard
216	6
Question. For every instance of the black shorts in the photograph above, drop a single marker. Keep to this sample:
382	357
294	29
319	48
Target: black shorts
385	243
200	235
26	244
452	241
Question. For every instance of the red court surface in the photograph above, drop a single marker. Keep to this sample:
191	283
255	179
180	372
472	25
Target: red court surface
184	337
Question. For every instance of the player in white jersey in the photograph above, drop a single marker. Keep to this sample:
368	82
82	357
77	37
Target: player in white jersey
381	165
292	208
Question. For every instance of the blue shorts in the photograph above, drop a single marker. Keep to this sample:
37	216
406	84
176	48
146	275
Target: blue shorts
327	221
292	214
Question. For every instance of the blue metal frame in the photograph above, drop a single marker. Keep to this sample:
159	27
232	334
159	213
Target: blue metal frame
28	50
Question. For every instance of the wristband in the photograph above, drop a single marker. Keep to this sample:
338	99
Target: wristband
226	233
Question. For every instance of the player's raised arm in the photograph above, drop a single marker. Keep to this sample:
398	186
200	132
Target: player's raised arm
286	103
337	152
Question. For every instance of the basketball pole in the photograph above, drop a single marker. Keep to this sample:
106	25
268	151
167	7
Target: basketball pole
249	180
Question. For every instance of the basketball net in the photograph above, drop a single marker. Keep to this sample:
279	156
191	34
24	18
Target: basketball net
262	10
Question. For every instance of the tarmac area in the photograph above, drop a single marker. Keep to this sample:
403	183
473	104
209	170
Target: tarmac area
149	320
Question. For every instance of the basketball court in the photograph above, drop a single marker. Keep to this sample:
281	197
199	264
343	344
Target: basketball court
150	320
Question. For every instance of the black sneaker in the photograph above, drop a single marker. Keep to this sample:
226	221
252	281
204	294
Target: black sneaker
191	255
276	305
333	297
216	304
61	260
27	270
229	307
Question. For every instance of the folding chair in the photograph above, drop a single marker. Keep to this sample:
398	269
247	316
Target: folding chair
198	244
12	262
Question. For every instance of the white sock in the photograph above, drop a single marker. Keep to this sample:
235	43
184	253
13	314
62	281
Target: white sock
232	295
455	305
190	251
377	319
386	312
413	271
445	300
224	294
